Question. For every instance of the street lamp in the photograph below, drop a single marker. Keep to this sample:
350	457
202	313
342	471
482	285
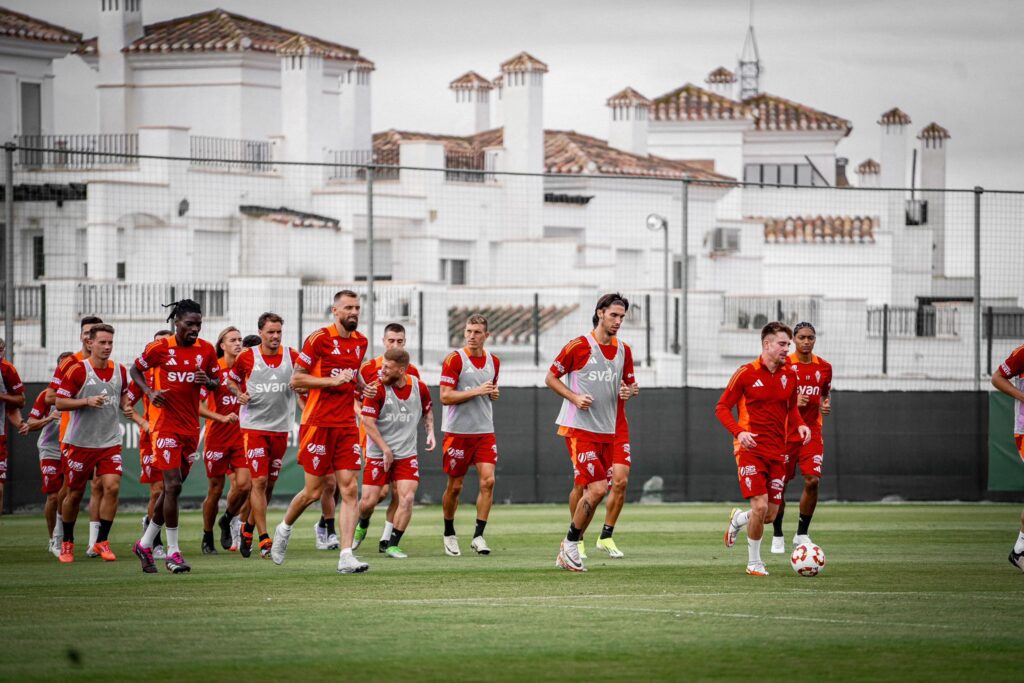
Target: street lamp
657	222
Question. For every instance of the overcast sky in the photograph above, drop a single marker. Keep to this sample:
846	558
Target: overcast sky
948	61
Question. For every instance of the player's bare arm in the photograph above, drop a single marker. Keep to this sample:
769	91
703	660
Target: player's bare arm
1006	386
428	426
80	403
303	381
13	400
581	401
155	396
372	433
205	412
451	396
236	391
205	380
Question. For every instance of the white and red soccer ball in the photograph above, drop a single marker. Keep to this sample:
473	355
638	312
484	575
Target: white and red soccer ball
808	559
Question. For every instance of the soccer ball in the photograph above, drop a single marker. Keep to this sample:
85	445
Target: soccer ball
808	559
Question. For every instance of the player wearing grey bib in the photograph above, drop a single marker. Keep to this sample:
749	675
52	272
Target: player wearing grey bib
390	418
469	385
599	371
95	393
267	417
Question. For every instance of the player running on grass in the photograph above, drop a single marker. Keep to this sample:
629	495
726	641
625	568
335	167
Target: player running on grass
267	415
182	365
222	450
469	384
328	368
764	393
12	399
394	338
1009	379
600	370
814	396
390	418
93	392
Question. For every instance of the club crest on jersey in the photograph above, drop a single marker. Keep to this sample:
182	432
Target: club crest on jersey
785	381
817	375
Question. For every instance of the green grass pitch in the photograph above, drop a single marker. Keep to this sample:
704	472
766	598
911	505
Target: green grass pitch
911	592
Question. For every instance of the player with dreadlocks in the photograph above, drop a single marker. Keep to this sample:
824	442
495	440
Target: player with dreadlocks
181	365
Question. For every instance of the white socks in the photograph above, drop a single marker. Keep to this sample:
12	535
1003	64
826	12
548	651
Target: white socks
346	551
94	533
1018	547
388	527
754	551
58	528
742	519
149	535
172	541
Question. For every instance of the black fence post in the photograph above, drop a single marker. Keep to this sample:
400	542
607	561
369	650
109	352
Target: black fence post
419	323
989	325
675	327
778	310
885	339
647	314
42	316
536	329
302	308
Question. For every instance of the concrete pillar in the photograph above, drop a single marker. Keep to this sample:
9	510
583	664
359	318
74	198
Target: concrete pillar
933	177
120	24
472	93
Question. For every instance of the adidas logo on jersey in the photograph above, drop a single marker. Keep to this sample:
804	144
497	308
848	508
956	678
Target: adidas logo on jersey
336	351
757	383
171	361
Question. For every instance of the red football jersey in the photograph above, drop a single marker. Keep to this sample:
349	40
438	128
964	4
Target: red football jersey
39	408
765	401
222	402
814	380
174	367
242	368
326	354
74	378
370	368
574	356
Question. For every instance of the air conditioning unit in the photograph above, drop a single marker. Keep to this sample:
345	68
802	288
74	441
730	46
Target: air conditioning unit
725	240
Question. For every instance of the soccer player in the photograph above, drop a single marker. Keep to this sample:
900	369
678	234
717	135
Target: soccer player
222	450
813	397
394	338
94	392
600	372
390	417
12	398
45	419
266	417
765	393
182	365
328	437
1009	379
469	384
148	473
96	492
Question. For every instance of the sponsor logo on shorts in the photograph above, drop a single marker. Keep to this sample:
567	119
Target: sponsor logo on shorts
817	461
778	484
586	456
356	450
625	448
167	456
316	448
72	465
46	469
590	468
456	453
276	464
166	442
747	471
115	459
256	452
452	463
214	455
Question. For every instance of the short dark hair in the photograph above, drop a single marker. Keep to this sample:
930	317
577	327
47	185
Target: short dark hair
251	340
100	327
89	320
775	328
802	326
397	328
162	333
400	356
345	292
268	317
609	300
179	309
63	355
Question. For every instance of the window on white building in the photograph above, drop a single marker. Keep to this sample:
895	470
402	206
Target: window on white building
453	271
31	109
801	175
38	258
382	266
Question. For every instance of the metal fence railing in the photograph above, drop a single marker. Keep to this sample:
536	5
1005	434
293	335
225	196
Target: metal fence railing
75	152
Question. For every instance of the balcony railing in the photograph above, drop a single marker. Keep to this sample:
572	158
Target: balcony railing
350	164
468	167
28	301
146	300
58	152
754	312
914	321
230	154
392	302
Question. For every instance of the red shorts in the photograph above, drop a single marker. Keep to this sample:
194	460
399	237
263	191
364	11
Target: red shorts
809	456
80	463
220	458
462	450
323	450
3	457
52	473
145	443
403	468
760	475
148	473
1019	440
175	451
264	452
591	460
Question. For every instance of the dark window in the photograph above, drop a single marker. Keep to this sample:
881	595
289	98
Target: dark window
120	270
38	258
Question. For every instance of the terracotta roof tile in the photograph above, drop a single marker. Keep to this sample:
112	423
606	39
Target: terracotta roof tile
933	131
869	167
286	216
499	81
721	75
470	80
17	25
810	229
220	31
894	117
627	97
693	103
565	152
523	61
776	113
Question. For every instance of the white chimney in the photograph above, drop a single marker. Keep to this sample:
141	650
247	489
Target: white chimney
497	101
354	107
933	139
894	148
302	74
472	103
523	111
120	25
628	112
722	82
867	173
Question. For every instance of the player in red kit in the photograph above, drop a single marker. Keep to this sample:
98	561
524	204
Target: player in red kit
814	396
12	399
328	368
763	392
182	365
222	450
1009	379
